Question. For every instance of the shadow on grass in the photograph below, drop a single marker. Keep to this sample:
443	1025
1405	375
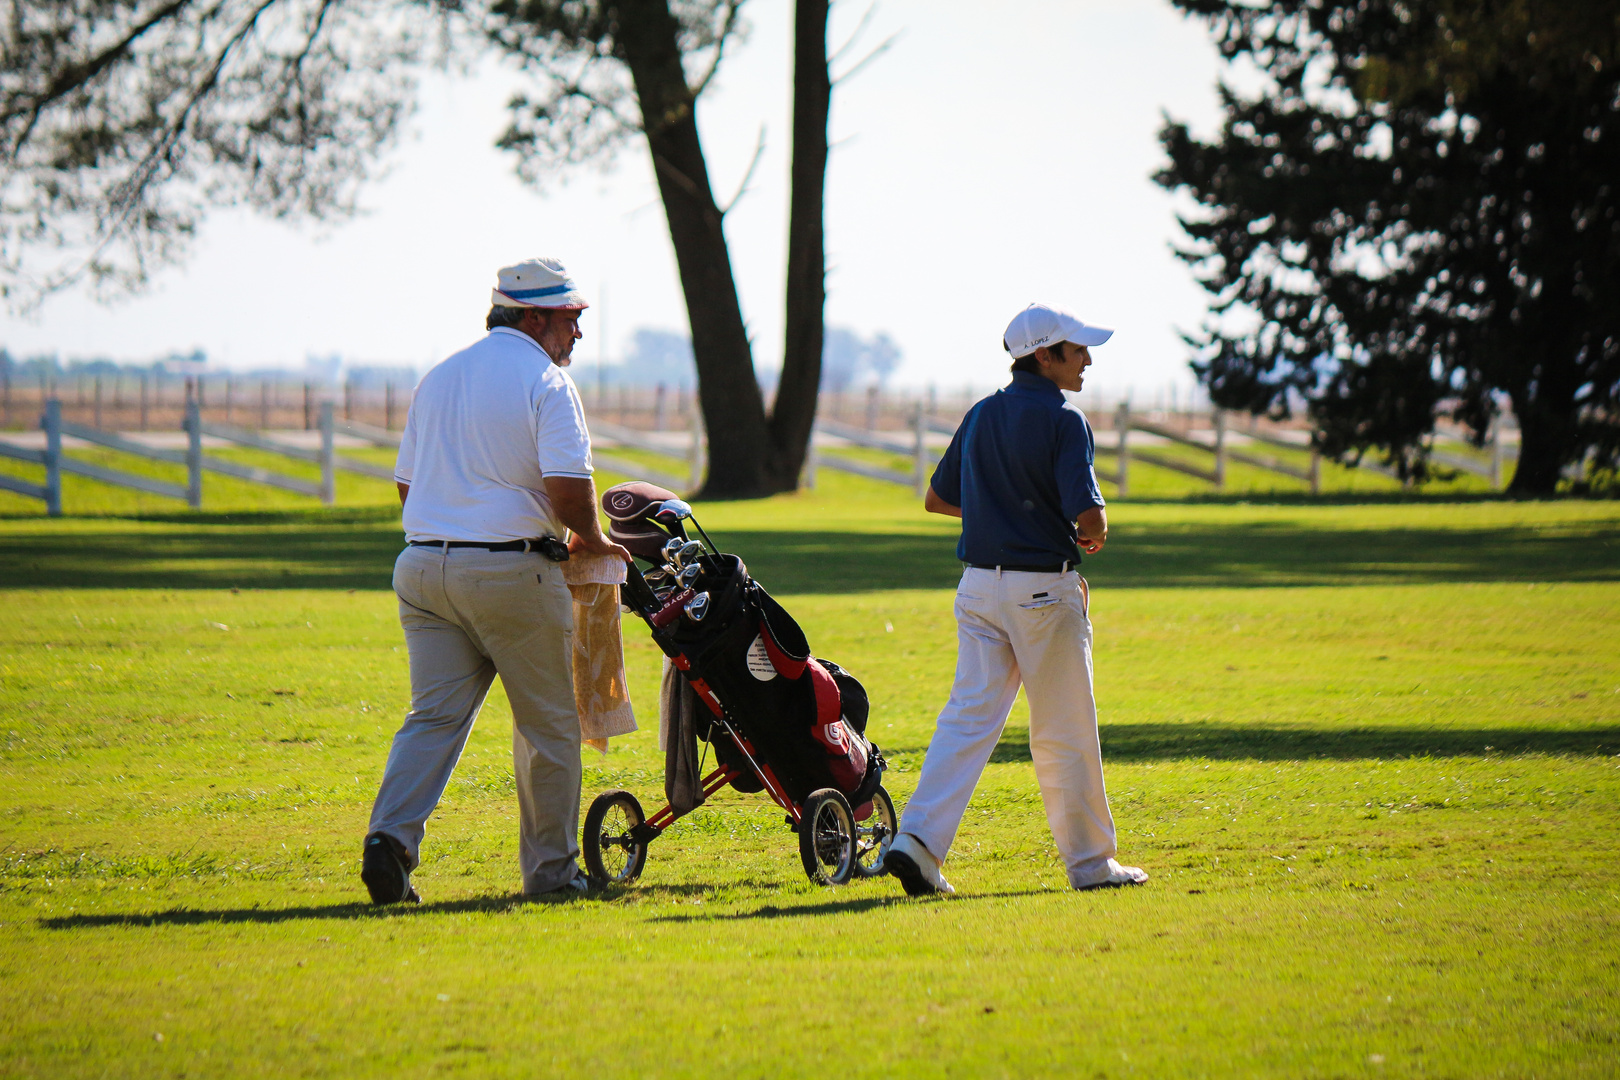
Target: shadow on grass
1157	742
356	550
837	907
356	911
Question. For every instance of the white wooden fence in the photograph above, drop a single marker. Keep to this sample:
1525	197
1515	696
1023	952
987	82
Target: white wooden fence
194	460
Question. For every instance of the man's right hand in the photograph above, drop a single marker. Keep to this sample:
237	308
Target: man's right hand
601	545
1091	530
573	499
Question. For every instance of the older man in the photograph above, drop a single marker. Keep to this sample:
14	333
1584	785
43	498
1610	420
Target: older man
1020	475
494	466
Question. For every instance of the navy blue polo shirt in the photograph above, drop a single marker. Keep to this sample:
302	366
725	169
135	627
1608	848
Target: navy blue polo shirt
1022	468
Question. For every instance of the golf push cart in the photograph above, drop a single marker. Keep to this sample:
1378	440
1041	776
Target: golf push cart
777	719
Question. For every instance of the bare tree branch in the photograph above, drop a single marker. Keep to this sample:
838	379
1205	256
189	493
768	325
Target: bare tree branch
849	42
839	80
742	188
727	27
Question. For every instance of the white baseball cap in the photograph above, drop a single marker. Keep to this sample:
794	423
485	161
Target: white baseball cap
1043	324
540	283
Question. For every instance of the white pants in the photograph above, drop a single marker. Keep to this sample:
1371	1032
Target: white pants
1017	627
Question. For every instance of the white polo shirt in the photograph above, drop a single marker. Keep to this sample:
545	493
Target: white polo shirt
486	427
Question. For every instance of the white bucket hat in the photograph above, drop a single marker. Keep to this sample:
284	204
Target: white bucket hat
1043	324
542	283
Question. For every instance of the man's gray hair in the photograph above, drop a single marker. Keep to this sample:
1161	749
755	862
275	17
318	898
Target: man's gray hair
502	315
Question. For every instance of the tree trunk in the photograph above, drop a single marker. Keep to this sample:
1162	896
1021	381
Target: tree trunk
794	416
733	408
1545	406
1547	442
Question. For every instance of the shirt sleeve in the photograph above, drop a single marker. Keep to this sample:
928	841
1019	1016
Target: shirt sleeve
405	463
563	443
947	479
1077	466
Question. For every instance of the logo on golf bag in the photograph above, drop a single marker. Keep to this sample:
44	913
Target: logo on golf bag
759	660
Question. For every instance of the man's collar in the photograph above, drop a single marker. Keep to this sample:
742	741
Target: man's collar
1029	380
521	336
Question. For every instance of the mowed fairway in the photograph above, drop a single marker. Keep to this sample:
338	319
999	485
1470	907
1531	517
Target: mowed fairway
1369	753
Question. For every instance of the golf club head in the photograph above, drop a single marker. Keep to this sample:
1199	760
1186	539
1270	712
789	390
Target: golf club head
671	511
689	551
697	607
688	575
672	548
656	578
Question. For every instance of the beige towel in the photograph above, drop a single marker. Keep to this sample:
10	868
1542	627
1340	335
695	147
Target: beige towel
600	691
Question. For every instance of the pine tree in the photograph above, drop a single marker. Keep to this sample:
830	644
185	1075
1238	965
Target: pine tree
1415	216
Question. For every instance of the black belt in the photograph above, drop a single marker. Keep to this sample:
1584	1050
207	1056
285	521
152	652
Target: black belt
1024	568
509	545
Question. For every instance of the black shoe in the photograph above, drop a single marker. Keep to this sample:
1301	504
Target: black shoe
384	873
581	884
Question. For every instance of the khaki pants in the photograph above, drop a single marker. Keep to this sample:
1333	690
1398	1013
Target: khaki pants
1012	628
470	614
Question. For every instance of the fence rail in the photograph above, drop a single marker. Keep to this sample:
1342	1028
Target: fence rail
918	423
192	458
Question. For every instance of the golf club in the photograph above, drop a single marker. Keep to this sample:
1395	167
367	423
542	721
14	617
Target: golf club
697	607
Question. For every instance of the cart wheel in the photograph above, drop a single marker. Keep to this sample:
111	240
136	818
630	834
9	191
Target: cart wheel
827	837
610	854
872	834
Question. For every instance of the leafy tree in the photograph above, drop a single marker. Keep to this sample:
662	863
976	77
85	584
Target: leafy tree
659	356
846	356
125	120
1416	214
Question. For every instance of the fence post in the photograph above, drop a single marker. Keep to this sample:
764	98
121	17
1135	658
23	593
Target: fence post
264	404
328	471
871	408
388	406
919	449
808	480
309	404
1316	471
1220	449
1122	424
348	399
661	409
193	453
695	452
52	423
146	398
1496	454
5	391
97	412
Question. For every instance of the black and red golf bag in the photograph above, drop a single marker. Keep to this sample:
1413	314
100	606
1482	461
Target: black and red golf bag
777	718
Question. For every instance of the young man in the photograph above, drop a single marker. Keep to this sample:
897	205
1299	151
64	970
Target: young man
494	465
1019	473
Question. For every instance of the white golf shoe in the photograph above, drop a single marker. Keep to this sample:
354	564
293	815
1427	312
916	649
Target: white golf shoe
916	867
1117	875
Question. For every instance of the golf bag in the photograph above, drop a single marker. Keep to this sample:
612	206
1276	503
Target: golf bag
749	663
778	719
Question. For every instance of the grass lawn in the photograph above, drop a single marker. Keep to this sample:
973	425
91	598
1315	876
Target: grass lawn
1370	754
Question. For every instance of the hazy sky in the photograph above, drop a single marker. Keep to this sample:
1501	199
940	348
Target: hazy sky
982	163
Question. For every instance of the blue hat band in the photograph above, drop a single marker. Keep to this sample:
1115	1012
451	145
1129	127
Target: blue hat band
531	294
